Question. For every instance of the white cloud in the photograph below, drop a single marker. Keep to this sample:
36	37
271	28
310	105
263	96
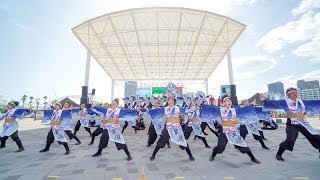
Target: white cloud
24	27
309	49
300	30
291	80
249	66
305	6
244	68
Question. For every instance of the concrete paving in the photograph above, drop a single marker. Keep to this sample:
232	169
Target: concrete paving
302	163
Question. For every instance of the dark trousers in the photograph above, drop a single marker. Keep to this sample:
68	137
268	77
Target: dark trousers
164	139
126	125
141	125
71	135
50	140
292	132
244	133
222	143
77	128
188	130
14	137
95	133
104	139
203	126
153	135
266	124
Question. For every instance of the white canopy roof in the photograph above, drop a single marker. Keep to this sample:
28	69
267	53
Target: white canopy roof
159	43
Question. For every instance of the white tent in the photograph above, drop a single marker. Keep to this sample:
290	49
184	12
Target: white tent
161	43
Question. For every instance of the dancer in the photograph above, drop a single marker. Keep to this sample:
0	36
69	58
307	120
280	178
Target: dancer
194	124
269	122
56	131
227	131
111	124
126	124
83	120
152	132
265	117
172	113
99	128
244	131
10	126
68	128
296	122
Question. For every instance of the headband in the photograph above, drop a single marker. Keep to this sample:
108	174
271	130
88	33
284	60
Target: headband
224	99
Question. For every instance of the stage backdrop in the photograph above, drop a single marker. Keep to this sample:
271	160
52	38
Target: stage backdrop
159	91
144	91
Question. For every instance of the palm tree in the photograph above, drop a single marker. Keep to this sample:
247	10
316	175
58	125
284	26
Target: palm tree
45	102
54	102
38	102
23	99
30	102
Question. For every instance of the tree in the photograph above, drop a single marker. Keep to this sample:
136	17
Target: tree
37	103
45	102
23	99
54	102
31	102
99	104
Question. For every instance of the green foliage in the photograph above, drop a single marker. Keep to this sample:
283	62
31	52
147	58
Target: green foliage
99	103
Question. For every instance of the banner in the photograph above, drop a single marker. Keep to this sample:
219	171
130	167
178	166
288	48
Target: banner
176	134
306	124
129	115
58	134
209	114
158	91
262	115
156	115
47	115
313	107
158	126
235	139
20	113
84	121
115	133
172	89
247	114
197	129
253	128
66	120
9	128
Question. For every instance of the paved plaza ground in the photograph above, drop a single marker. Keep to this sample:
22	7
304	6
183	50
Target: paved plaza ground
302	163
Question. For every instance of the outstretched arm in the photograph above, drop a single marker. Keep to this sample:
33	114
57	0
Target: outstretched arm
274	104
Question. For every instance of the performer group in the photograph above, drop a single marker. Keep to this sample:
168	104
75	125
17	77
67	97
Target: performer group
173	118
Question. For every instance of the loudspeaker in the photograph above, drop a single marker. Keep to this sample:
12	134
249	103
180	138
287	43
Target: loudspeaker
233	95
84	95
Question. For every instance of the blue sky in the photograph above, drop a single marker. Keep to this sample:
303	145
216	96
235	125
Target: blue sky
40	55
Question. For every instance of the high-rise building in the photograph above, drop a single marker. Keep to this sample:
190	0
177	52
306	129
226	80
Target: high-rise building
130	88
3	101
309	94
225	89
302	84
276	88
